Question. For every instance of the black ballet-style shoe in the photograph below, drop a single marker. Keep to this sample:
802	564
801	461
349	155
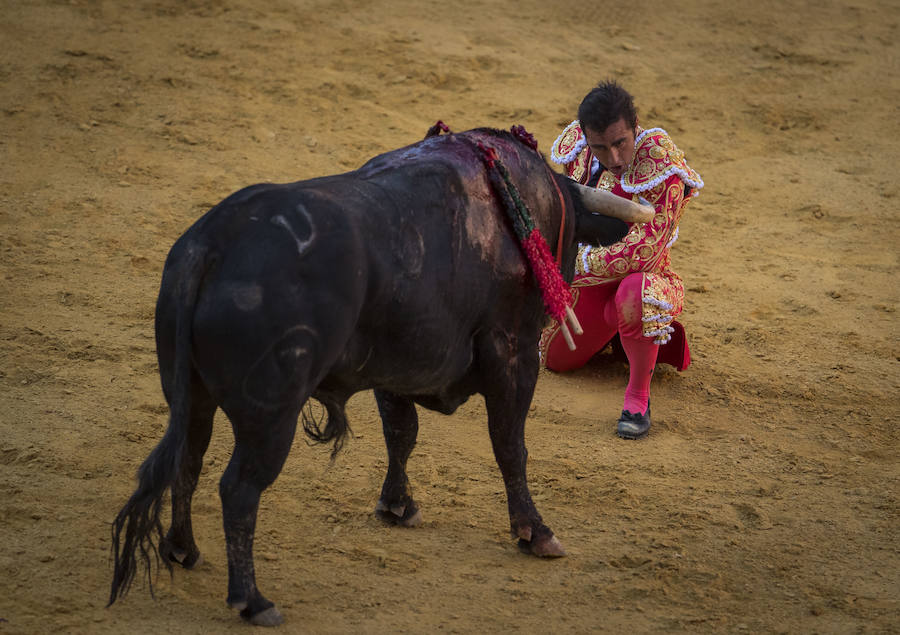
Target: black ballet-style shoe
634	425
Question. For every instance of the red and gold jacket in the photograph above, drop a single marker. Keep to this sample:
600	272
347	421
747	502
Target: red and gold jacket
660	175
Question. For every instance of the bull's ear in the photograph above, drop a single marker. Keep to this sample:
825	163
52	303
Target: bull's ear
597	229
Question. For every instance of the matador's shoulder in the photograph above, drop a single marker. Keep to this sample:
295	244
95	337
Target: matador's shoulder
570	150
568	144
656	158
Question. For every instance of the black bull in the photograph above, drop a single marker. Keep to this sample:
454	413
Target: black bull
403	276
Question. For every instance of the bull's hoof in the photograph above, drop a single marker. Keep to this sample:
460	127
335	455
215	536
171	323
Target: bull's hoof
547	547
189	559
269	617
186	560
403	515
257	610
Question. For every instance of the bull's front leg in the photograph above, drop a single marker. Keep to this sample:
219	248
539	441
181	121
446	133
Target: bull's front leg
401	426
511	377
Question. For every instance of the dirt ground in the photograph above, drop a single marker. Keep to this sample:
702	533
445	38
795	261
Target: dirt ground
765	498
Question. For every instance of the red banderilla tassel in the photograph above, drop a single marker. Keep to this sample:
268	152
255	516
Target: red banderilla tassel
555	291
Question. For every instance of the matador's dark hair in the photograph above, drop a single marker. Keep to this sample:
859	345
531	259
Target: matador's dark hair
605	105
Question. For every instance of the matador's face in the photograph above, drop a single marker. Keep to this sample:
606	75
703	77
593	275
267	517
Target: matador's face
613	147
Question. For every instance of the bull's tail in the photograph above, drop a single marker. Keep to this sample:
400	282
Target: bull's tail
137	529
336	426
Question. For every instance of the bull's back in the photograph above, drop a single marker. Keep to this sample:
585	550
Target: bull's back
381	277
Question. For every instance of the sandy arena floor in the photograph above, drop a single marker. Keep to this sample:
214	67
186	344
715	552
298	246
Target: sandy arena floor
764	501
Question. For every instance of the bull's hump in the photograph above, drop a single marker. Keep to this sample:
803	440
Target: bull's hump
431	152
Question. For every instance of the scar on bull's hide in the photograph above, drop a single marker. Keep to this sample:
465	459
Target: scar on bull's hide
247	297
309	230
271	379
366	360
410	251
481	234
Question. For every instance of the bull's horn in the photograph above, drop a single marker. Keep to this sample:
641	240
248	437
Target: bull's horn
608	204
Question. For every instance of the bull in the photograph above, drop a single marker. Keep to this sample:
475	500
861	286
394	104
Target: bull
404	277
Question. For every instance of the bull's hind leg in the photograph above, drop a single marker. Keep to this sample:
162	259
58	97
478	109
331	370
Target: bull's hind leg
261	446
401	425
178	545
510	378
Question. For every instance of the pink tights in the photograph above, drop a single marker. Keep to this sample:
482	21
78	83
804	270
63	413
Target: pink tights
604	310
